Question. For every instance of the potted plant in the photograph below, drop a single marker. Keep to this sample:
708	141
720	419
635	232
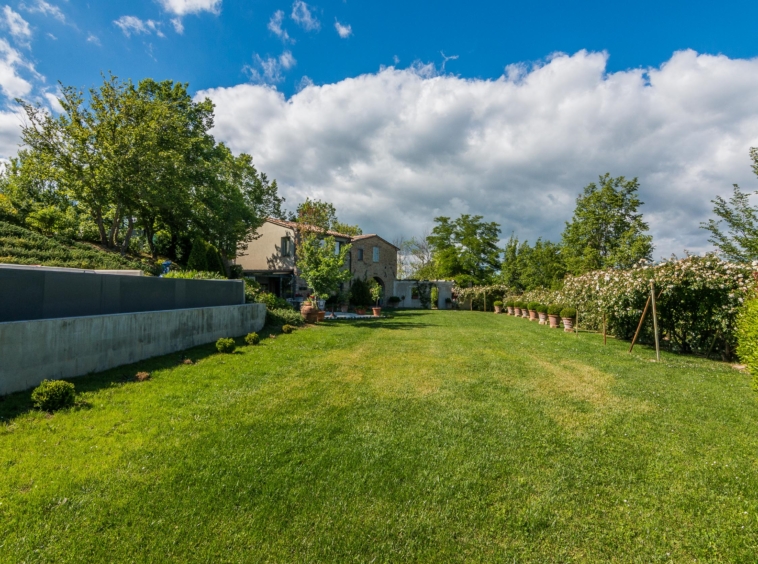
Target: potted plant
509	307
376	295
517	308
554	315
393	301
532	307
568	315
498	306
308	309
542	312
525	310
343	298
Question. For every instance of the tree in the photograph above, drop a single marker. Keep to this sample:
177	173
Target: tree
606	231
740	243
346	229
527	268
465	250
321	265
318	214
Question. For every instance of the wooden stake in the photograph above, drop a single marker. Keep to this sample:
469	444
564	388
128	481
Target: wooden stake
605	335
485	301
576	325
639	326
655	323
713	343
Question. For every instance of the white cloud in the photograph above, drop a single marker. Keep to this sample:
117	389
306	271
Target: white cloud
305	82
132	25
302	15
275	27
269	70
12	66
178	25
94	39
44	8
17	26
344	31
402	147
184	7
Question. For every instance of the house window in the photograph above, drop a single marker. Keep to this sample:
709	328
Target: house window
337	247
376	254
286	247
360	254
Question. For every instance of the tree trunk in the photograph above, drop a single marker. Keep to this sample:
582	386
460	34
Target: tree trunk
149	234
114	228
128	236
101	228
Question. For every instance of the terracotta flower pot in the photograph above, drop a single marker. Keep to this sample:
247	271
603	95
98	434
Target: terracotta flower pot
320	315
308	312
568	324
554	320
533	315
510	310
377	311
517	311
543	318
360	310
525	313
498	309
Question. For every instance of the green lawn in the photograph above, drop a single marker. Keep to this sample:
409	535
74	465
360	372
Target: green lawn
432	436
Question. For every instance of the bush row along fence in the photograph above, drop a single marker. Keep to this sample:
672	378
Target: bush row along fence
698	299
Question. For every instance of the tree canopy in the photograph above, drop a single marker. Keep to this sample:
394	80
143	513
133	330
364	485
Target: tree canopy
606	230
526	268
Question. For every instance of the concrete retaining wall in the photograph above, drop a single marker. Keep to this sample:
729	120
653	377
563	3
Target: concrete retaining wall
31	351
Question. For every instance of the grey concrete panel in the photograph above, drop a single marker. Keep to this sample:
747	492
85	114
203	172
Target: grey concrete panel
31	351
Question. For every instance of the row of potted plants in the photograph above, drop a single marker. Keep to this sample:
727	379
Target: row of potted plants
550	315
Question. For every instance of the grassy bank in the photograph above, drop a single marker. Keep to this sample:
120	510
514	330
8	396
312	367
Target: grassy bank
432	436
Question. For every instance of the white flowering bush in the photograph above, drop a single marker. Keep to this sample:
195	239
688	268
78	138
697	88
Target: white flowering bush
697	299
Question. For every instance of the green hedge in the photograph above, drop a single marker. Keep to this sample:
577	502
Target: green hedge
747	338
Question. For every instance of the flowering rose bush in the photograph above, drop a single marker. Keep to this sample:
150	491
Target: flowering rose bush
697	300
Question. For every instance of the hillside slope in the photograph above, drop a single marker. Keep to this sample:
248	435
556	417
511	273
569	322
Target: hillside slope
21	246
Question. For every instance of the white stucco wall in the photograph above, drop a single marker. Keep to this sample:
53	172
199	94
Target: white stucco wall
405	288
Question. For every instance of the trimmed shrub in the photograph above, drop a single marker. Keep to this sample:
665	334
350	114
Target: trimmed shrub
394	300
272	301
554	309
287	329
360	293
541	308
498	303
280	317
747	338
198	257
532	306
568	313
252	339
509	303
194	275
225	346
51	395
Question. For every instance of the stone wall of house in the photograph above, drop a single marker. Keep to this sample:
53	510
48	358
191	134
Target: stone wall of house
385	268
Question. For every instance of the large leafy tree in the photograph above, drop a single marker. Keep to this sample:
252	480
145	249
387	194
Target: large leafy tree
321	263
465	249
606	230
739	243
526	267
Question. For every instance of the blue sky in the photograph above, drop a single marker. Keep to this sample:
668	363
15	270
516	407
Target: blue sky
217	45
355	103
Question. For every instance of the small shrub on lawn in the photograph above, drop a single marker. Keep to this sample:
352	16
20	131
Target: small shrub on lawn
554	309
142	376
498	304
287	329
252	339
541	308
532	306
568	313
225	346
51	395
279	317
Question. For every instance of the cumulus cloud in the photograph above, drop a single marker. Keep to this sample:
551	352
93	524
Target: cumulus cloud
406	146
94	39
344	31
178	25
13	67
184	7
132	25
17	26
44	8
303	16
269	70
275	27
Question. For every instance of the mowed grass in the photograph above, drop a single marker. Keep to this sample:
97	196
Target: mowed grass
429	437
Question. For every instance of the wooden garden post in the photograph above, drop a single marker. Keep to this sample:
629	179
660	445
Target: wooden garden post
639	326
605	334
655	322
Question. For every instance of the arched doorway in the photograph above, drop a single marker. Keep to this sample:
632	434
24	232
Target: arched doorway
384	290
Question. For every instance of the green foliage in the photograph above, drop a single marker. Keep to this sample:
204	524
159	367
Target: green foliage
287	329
497	303
509	303
284	316
318	214
606	230
346	229
321	265
465	250
252	289
226	346
360	293
376	291
435	296
394	300
554	309
541	308
52	395
568	312
424	290
198	258
526	268
194	275
747	337
532	306
252	339
740	243
21	246
272	301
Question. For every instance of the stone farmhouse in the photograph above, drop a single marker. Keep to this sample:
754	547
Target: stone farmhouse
272	259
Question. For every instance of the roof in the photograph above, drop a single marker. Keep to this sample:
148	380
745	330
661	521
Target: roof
295	225
368	236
